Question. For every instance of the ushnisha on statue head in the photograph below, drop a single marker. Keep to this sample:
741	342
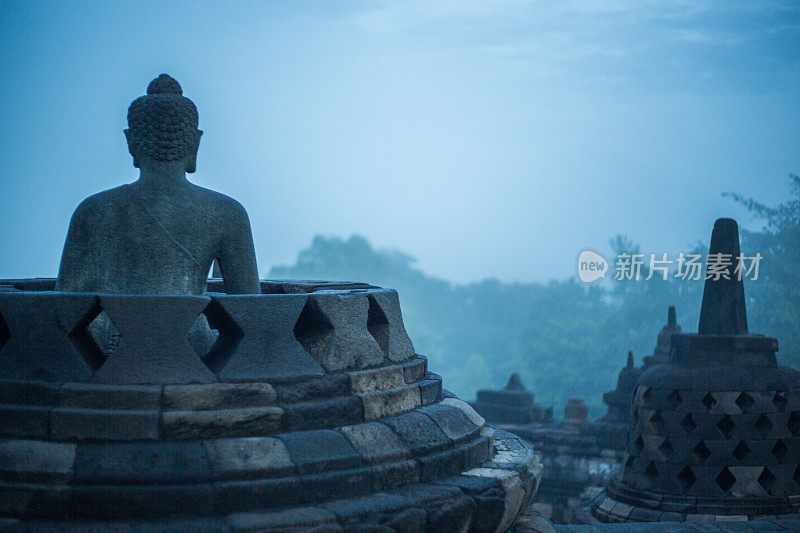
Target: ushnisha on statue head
162	124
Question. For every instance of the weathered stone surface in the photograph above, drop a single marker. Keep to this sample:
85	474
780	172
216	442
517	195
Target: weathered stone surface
249	457
97	396
447	508
452	420
43	332
153	346
89	424
396	474
333	328
321	450
377	379
110	502
21	421
445	463
489	495
466	408
248	422
327	413
269	347
313	389
296	518
386	325
430	390
30	460
141	463
217	396
376	442
390	402
28	393
415	369
259	494
27	499
418	431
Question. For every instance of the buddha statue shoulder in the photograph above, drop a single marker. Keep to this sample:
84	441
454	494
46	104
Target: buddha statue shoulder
161	233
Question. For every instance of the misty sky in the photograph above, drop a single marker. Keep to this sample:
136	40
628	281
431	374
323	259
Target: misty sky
488	139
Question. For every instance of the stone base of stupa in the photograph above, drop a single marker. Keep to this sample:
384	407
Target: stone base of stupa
310	410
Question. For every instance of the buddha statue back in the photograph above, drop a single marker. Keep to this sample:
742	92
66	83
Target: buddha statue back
160	234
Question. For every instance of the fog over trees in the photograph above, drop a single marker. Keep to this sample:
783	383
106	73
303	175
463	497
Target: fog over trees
565	338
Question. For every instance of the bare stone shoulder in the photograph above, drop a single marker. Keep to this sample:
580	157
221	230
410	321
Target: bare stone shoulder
222	207
98	203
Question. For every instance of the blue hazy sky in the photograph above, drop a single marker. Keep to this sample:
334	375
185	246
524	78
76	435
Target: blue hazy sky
488	139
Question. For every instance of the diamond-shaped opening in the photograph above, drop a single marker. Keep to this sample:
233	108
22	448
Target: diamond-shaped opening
651	472
686	478
741	451
638	444
378	324
745	402
94	326
674	399
631	459
763	425
214	335
666	449
725	480
766	480
688	424
628	472
657	420
646	397
726	426
796	474
779	450
779	400
793	423
314	330
5	332
701	451
104	333
709	401
635	415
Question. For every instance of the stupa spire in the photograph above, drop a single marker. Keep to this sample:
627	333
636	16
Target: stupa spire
723	309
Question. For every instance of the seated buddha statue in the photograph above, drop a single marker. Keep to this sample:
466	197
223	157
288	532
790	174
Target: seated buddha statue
161	233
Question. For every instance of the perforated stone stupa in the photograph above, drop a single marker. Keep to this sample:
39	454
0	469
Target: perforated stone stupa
308	408
715	430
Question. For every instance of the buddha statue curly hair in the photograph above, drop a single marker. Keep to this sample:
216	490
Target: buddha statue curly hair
163	123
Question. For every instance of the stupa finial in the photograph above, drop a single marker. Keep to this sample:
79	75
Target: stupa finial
723	309
515	383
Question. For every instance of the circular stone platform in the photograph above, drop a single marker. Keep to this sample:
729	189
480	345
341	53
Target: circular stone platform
310	409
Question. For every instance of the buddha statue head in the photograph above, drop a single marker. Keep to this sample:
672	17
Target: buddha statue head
162	125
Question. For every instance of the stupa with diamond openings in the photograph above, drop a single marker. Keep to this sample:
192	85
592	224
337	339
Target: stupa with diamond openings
715	428
135	395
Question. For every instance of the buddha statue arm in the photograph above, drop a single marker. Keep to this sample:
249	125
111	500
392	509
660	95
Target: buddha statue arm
74	257
237	257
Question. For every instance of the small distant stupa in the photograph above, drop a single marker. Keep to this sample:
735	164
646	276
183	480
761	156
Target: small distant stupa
511	405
